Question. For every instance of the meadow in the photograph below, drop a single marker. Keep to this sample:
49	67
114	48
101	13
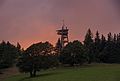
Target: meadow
93	72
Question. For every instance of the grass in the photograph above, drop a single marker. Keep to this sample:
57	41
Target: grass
94	72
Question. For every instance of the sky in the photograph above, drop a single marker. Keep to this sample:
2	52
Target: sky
32	21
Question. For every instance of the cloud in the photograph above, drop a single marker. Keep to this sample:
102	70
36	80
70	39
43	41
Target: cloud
117	5
2	2
37	20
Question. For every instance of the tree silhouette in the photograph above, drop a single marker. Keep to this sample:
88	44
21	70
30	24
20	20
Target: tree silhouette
8	54
73	53
18	46
38	56
97	47
89	44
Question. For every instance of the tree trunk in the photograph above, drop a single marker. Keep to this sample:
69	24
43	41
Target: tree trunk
34	73
89	61
72	64
31	74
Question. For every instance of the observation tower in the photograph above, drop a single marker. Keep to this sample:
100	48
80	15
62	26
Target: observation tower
63	33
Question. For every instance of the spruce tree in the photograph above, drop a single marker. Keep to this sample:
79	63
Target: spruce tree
97	47
89	44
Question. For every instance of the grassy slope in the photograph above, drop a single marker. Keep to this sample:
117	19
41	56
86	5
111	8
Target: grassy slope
102	72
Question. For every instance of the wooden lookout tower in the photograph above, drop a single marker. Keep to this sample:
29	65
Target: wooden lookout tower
63	35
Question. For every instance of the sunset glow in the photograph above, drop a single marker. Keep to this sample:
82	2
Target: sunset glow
31	21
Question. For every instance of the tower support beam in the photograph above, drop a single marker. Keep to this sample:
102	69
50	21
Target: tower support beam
63	35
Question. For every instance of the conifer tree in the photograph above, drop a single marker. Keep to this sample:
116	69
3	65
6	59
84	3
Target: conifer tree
97	47
89	44
8	54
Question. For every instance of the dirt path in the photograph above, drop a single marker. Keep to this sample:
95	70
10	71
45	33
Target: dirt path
8	72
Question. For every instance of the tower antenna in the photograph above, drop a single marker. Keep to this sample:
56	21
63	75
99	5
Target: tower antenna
63	21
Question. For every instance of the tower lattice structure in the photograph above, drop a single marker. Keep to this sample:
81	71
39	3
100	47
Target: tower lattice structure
63	35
